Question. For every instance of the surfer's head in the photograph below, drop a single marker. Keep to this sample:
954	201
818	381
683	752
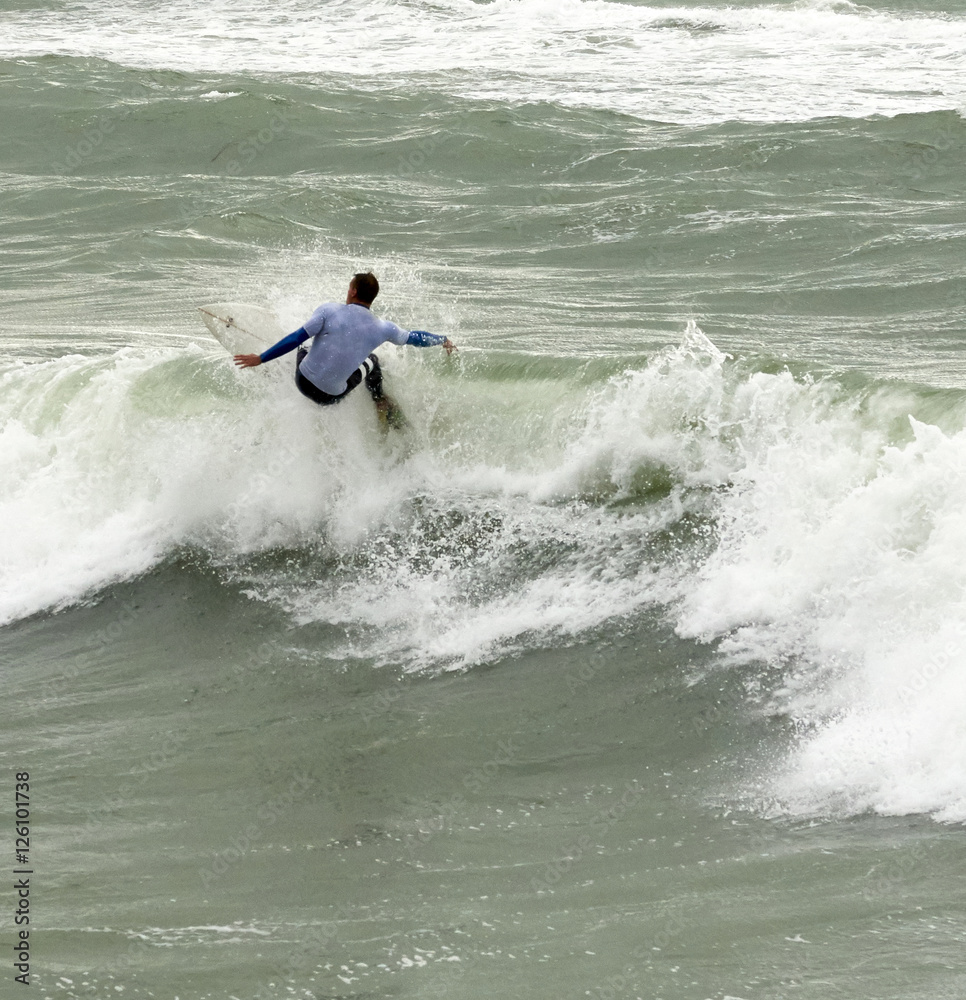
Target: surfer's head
363	289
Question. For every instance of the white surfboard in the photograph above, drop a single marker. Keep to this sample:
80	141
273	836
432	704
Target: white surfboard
241	328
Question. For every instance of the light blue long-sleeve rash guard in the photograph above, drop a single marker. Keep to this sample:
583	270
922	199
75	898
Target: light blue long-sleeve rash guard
344	336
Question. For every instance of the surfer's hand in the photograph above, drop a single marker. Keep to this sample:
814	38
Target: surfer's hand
248	360
448	346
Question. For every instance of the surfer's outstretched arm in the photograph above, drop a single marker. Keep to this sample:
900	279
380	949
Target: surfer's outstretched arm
420	338
285	345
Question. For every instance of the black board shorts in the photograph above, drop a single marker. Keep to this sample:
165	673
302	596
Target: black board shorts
369	371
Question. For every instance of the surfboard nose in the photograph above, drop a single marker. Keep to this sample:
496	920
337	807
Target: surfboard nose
242	328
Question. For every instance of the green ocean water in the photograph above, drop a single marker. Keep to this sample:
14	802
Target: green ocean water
634	668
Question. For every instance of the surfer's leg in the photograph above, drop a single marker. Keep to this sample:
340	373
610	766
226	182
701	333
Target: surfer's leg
374	385
374	378
386	406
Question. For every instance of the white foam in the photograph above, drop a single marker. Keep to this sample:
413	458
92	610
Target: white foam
841	560
109	465
853	575
768	62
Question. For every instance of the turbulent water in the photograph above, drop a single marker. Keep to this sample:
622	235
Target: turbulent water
636	665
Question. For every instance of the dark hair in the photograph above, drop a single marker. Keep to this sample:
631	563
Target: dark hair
367	286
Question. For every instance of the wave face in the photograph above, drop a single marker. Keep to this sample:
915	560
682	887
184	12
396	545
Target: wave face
809	528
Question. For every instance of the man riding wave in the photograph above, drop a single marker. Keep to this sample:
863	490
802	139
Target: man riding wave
341	354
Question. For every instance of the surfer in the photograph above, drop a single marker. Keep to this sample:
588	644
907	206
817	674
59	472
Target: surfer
340	356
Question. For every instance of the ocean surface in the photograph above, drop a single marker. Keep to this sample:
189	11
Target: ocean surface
636	666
